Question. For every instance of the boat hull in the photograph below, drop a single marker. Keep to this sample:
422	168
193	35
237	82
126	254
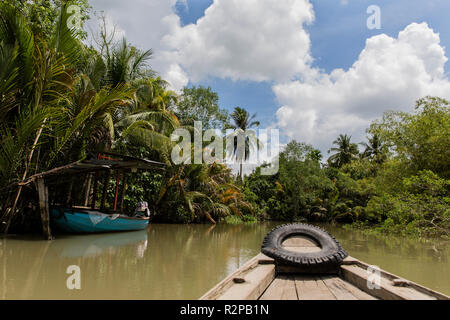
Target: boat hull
91	221
263	278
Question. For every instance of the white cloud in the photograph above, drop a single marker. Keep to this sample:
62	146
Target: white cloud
265	40
245	40
260	40
390	74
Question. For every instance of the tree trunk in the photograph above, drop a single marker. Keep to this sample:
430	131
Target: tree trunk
241	173
44	208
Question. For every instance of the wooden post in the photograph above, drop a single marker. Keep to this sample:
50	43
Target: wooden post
105	190
44	208
69	193
123	189
88	189
117	190
94	192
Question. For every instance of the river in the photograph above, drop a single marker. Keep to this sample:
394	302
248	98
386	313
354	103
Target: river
184	261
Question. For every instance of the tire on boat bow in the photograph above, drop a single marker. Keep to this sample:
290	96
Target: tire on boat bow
327	260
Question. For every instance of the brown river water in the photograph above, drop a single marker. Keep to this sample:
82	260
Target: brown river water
184	261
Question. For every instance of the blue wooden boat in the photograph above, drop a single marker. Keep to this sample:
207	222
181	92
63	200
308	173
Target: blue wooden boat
76	220
67	217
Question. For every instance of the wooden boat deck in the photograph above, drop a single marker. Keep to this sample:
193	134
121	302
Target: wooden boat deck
262	279
295	287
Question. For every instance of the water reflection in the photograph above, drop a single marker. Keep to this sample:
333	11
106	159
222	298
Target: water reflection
95	245
183	261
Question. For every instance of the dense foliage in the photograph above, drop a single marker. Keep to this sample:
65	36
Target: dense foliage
398	183
62	101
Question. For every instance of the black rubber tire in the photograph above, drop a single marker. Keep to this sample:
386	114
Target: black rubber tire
328	259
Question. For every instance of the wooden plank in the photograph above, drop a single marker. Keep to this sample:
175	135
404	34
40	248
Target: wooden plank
256	282
225	284
299	242
306	270
282	288
395	280
312	288
303	249
44	208
343	290
350	260
387	291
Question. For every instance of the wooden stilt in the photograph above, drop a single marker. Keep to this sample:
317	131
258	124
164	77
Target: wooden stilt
44	208
94	192
87	189
117	190
105	190
123	189
69	193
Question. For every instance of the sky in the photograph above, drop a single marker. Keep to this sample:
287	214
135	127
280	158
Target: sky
310	68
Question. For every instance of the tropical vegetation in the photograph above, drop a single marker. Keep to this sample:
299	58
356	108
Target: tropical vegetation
62	100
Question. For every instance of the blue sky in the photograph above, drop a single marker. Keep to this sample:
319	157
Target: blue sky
338	35
273	59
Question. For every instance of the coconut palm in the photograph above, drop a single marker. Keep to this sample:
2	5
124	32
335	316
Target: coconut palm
206	190
145	123
36	80
345	151
125	63
50	118
60	99
375	149
243	122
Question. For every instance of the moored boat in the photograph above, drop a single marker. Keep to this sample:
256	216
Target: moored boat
268	278
76	220
61	189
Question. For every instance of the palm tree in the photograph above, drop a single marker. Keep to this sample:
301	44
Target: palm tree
125	63
51	112
147	120
345	152
375	149
34	80
206	190
243	121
